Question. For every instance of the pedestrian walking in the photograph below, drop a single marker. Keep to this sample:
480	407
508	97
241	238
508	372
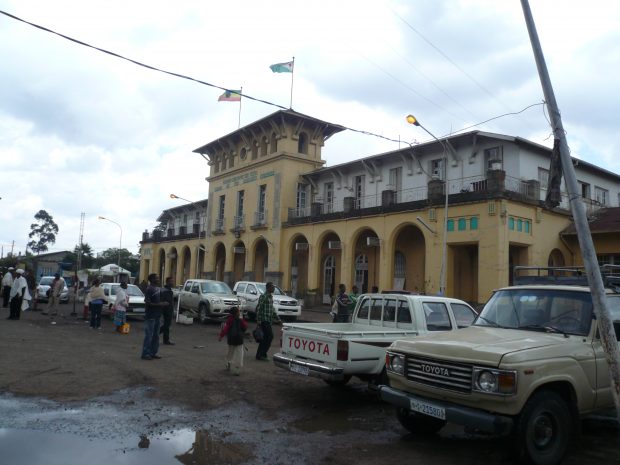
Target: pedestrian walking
120	306
7	283
96	299
32	290
152	317
265	316
168	296
343	302
234	330
18	290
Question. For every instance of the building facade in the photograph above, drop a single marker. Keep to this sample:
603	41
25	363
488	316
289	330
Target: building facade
453	216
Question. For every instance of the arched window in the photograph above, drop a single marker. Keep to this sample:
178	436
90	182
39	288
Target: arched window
243	154
274	143
223	161
254	150
302	143
231	160
263	146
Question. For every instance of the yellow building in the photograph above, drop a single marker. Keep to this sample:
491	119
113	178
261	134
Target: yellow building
276	213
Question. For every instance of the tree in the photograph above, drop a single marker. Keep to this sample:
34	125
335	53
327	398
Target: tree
128	261
43	231
87	259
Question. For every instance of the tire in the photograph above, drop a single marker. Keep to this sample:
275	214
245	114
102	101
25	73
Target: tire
342	382
543	429
417	423
203	309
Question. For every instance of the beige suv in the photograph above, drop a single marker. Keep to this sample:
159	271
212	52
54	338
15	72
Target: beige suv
532	365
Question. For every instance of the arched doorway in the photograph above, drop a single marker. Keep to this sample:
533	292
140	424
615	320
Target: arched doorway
366	260
173	259
186	264
161	268
329	278
299	266
238	262
201	262
556	258
409	260
220	262
261	260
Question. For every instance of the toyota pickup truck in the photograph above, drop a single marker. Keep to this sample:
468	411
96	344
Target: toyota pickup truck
335	352
532	365
207	300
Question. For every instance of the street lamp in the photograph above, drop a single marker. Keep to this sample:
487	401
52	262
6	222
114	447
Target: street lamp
120	241
442	274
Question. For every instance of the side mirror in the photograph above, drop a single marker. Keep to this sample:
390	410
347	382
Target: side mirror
235	292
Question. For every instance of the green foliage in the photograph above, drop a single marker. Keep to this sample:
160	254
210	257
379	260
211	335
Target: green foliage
43	232
87	259
128	261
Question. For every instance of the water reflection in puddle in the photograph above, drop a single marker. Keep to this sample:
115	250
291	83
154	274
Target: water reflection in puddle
28	447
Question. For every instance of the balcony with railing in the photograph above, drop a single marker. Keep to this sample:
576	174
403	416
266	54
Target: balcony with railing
238	223
468	189
260	219
220	223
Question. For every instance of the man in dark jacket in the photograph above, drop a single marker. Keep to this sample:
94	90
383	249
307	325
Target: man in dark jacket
167	296
152	315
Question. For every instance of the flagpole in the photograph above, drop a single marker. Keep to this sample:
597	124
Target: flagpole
241	98
292	74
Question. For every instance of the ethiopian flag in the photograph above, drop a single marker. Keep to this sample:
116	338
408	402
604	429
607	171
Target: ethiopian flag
230	96
282	67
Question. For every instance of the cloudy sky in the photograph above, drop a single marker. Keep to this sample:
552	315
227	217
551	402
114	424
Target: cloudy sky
82	131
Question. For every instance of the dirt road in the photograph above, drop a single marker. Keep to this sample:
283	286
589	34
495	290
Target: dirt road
299	420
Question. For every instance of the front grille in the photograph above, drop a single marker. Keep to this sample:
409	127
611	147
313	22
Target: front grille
288	303
440	373
231	302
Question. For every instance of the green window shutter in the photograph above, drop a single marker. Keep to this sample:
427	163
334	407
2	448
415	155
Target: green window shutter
473	223
462	224
450	225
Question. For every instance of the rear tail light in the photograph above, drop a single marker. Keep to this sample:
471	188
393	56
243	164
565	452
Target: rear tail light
343	351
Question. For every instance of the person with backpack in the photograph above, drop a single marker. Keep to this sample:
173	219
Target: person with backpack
234	329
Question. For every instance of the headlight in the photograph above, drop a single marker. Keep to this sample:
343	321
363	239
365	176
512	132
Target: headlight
500	382
215	300
395	363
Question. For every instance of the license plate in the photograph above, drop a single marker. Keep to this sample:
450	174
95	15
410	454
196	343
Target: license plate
302	370
428	409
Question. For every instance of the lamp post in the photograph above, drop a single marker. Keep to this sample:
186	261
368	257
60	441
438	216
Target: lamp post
442	274
120	241
200	224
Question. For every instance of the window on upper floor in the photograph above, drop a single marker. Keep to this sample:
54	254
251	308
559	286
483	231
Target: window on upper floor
240	199
262	197
328	196
216	164
231	160
437	168
601	195
543	178
243	154
302	143
585	189
223	161
254	150
273	144
494	158
302	190
222	205
263	146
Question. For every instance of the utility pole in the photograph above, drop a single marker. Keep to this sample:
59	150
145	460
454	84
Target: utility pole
595	281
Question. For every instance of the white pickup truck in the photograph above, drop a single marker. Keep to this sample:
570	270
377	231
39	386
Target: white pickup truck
335	352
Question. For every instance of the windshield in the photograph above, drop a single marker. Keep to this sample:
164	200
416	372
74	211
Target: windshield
132	290
539	310
47	281
262	288
614	307
215	287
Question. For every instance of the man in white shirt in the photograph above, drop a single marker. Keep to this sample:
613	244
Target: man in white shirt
18	291
7	283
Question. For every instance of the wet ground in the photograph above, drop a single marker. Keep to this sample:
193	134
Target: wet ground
73	396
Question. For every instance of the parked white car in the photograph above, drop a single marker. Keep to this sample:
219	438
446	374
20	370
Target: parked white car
284	305
43	287
136	299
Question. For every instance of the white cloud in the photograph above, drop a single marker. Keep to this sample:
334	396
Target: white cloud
82	131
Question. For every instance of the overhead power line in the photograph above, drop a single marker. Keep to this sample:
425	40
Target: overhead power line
199	81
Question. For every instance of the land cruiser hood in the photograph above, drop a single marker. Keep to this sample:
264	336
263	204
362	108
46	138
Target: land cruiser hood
480	344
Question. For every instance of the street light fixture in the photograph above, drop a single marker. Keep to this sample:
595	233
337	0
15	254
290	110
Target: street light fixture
120	241
442	274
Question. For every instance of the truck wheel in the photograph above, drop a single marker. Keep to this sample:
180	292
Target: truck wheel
418	423
543	429
342	382
202	313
